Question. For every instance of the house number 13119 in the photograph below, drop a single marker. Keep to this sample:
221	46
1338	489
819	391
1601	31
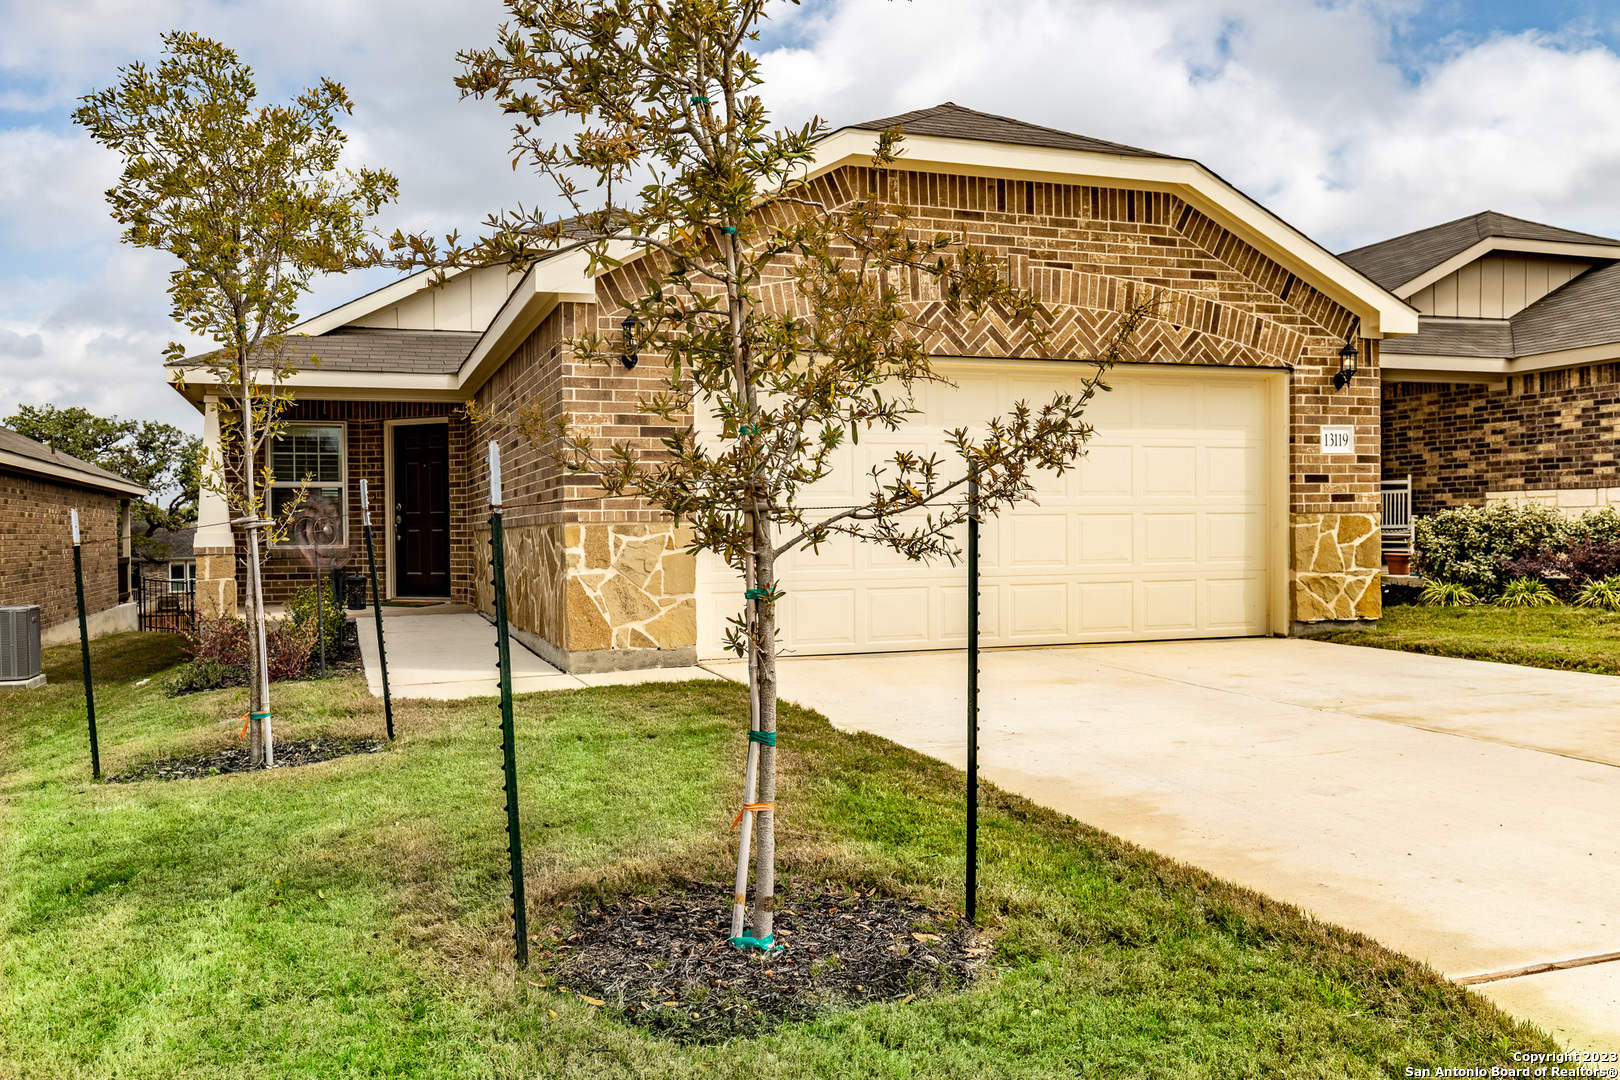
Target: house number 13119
1339	440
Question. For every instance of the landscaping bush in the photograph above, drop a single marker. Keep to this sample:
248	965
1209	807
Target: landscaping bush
1473	545
224	642
302	607
1600	527
1604	594
1526	592
1448	594
203	675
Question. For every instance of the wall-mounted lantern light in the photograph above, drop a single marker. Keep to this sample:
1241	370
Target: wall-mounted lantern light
628	358
1347	365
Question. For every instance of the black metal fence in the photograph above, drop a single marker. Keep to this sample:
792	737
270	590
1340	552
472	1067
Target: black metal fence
166	604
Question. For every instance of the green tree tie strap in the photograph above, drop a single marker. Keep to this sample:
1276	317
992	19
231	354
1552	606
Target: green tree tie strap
699	99
766	737
747	429
729	230
764	944
757	594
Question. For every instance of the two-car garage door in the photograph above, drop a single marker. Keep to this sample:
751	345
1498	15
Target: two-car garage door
1164	530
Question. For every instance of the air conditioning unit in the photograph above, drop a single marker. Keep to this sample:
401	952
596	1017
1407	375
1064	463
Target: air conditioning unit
19	643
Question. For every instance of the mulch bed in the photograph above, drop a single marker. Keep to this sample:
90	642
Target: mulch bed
289	754
665	963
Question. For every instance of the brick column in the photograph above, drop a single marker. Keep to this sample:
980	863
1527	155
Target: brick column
215	543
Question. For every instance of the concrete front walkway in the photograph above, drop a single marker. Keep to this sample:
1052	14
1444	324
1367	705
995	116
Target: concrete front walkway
452	656
1465	813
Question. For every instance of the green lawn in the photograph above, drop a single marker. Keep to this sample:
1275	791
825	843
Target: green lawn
1568	638
347	919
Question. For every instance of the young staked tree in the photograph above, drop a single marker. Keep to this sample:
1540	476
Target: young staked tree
252	203
664	94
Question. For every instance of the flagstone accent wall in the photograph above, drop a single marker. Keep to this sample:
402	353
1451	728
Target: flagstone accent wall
1336	559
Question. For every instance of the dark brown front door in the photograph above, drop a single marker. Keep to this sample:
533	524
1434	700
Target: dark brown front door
422	509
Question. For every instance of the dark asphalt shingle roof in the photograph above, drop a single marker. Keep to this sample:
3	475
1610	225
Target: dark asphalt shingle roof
952	121
1581	313
403	352
1394	262
365	349
1454	337
13	442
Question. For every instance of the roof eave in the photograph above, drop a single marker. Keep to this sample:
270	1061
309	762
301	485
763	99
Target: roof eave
1503	243
77	477
1382	314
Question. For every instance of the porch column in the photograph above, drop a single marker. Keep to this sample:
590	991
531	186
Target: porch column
215	542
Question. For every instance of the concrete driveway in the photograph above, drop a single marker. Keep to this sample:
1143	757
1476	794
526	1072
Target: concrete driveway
1462	812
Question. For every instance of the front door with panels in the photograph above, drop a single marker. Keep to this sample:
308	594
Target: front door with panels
1160	532
422	510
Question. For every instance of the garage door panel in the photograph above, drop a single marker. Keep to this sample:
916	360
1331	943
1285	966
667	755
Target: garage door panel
898	616
1107	606
1167	404
1169	538
1161	531
1234	470
1107	539
1234	603
1170	470
1107	470
1170	605
1040	609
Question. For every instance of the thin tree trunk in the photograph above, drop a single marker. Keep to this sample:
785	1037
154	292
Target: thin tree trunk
765	868
260	749
739	898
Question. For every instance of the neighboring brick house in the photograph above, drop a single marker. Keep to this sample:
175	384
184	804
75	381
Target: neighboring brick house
38	488
1211	503
1511	387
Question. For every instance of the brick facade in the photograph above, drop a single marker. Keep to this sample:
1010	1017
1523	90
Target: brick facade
36	547
286	569
1091	253
1545	431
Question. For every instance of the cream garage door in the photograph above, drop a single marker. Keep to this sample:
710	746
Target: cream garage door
1163	530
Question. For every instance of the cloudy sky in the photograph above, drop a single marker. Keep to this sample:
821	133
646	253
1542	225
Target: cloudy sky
1355	121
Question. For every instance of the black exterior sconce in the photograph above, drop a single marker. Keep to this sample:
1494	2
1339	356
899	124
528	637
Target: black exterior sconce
628	358
1347	365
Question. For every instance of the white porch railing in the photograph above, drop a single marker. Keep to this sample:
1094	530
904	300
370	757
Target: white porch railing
1397	532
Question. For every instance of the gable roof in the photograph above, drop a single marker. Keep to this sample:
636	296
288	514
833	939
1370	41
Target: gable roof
19	452
952	121
1402	260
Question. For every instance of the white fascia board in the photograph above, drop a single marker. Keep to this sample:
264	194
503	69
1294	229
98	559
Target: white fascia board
78	478
1438	366
1501	243
323	383
371	302
1382	313
561	279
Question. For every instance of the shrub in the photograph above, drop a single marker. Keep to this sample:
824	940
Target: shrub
1448	594
1600	527
203	675
224	642
1526	592
1472	545
1604	593
302	608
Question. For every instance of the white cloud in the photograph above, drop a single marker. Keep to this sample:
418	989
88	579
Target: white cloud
1302	105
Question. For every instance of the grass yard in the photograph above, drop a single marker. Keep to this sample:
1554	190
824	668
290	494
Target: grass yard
346	918
1566	638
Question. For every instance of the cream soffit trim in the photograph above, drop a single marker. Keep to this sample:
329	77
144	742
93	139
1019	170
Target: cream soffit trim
326	383
33	465
1502	243
1382	314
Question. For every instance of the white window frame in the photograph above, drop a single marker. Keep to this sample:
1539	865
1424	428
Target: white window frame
342	483
187	579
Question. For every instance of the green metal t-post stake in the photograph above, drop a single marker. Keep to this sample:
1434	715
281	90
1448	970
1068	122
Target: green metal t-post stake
84	649
973	698
376	606
520	913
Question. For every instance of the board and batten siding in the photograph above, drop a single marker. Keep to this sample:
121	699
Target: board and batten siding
1496	286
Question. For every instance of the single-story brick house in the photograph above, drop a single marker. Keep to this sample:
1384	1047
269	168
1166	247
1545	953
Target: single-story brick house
1233	488
1510	389
38	488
